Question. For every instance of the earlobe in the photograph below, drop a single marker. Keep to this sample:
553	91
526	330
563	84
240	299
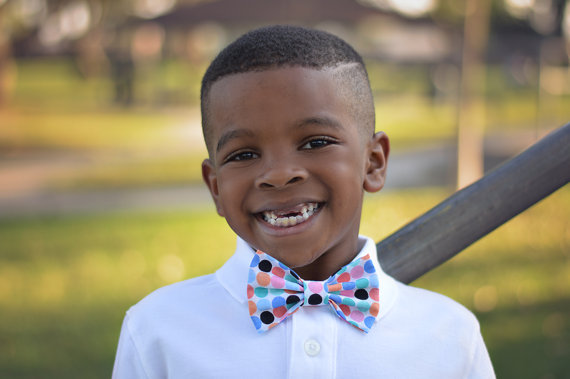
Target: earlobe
210	178
378	151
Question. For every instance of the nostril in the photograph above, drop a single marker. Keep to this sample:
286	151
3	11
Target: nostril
294	180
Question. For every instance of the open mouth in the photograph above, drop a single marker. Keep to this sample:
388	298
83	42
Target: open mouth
290	217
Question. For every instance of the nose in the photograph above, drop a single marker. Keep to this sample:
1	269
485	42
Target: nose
280	172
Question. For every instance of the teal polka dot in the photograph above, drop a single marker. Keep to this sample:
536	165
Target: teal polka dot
276	291
362	283
363	306
348	301
261	292
290	278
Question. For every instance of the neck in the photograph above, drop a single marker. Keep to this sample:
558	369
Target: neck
330	263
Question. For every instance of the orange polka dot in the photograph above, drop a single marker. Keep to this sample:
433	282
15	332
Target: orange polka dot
252	307
374	308
344	277
263	279
345	309
335	287
280	311
291	292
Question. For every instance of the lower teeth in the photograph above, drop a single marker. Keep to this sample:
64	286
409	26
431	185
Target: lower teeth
290	220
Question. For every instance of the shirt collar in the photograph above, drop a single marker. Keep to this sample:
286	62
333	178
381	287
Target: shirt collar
233	274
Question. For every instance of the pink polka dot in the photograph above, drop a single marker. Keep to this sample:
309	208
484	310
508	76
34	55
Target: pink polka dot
249	291
347	293
357	272
357	316
277	282
315	287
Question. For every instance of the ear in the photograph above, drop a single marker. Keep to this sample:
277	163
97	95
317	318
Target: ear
376	166
210	178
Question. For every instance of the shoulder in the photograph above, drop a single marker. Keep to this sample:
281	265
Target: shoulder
431	316
174	300
433	307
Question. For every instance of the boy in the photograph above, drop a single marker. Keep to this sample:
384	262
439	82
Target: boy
288	120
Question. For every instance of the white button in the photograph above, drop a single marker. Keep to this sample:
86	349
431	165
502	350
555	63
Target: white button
312	347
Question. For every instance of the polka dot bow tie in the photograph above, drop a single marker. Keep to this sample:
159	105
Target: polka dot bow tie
275	292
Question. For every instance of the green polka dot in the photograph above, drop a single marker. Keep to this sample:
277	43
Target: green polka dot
362	283
348	301
261	292
363	306
290	278
276	291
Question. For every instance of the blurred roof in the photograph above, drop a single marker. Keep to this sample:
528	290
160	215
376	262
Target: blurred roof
231	12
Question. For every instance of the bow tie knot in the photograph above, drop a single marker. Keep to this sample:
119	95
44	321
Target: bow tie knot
275	292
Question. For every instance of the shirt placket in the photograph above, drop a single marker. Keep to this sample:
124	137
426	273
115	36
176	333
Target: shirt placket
313	344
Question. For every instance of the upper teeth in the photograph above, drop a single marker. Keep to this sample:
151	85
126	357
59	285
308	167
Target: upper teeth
306	211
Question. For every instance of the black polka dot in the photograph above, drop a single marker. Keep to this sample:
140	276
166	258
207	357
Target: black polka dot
293	299
294	274
315	299
361	294
265	265
267	317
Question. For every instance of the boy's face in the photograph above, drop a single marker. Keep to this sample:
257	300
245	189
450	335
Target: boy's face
290	165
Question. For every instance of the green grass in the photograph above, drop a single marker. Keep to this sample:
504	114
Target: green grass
65	282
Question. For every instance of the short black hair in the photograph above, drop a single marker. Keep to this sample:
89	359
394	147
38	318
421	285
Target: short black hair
288	46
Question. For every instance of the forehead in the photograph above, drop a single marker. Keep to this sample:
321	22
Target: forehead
275	98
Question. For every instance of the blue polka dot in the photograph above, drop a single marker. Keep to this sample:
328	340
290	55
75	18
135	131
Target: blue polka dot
348	285
336	299
369	267
369	321
263	305
374	281
277	302
255	261
283	266
251	276
256	322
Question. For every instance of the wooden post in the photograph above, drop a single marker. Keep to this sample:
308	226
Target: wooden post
471	116
475	211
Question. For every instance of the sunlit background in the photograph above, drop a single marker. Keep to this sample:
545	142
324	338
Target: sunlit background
101	198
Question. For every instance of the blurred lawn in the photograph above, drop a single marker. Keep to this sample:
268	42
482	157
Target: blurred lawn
65	282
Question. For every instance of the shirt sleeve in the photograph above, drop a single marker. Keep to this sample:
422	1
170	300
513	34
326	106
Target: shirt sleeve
481	366
128	363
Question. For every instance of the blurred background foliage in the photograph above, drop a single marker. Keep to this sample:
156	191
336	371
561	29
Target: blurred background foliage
101	199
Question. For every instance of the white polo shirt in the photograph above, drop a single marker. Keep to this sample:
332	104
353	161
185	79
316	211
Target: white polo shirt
200	328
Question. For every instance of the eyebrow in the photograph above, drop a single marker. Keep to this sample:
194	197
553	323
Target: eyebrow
232	134
321	121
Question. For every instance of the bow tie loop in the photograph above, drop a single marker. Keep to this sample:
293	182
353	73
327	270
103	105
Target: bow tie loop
275	292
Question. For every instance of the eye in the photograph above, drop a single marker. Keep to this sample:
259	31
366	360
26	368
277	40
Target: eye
241	156
318	142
